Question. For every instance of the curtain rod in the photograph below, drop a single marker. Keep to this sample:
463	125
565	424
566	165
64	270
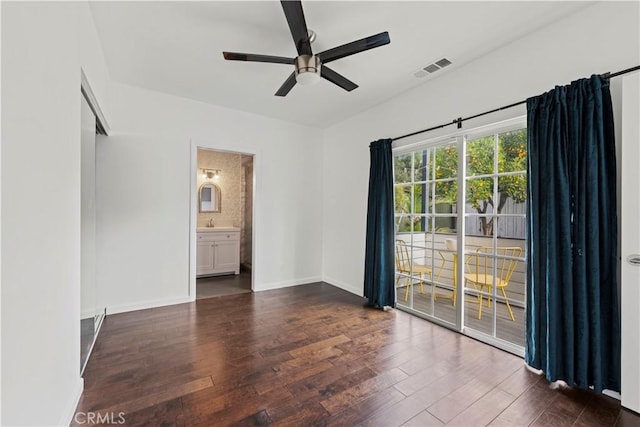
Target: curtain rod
459	120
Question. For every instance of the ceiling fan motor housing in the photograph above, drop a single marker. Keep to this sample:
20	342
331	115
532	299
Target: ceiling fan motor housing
307	69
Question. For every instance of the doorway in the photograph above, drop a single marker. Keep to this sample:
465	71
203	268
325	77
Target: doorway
224	187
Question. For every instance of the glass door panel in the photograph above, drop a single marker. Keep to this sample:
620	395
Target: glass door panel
495	268
426	216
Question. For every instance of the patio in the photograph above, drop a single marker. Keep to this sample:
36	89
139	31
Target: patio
430	250
509	330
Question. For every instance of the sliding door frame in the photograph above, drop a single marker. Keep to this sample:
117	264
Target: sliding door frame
462	137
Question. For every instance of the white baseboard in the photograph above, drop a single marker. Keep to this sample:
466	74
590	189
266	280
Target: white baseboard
68	414
345	286
143	305
612	394
287	283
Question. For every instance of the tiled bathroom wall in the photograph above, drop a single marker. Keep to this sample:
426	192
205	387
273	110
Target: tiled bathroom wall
230	183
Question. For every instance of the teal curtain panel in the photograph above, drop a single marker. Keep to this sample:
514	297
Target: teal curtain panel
379	254
573	325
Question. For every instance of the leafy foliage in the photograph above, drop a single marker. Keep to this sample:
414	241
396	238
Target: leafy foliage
481	159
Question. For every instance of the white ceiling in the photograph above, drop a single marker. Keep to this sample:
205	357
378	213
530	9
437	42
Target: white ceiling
176	48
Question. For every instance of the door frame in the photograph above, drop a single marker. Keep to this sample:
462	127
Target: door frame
103	129
193	205
630	243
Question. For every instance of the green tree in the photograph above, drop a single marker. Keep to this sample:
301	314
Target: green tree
407	218
511	157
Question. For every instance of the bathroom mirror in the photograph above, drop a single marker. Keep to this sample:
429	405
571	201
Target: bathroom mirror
210	196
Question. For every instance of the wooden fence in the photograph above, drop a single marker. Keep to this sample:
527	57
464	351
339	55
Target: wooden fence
511	227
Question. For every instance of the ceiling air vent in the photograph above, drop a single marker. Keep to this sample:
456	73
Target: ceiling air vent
432	68
443	63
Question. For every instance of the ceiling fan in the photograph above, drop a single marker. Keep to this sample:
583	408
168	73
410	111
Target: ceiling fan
309	67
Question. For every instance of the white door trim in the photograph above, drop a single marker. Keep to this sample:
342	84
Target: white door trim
630	243
86	90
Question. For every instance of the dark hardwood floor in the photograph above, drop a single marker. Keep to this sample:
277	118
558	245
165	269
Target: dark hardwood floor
312	355
217	286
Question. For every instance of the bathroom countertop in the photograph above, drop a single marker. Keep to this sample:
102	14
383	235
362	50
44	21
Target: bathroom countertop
212	229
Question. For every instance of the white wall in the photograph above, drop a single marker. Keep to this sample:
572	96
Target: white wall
0	235
143	190
44	47
600	38
93	62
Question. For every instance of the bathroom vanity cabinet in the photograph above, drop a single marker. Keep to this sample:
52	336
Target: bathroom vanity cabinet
218	251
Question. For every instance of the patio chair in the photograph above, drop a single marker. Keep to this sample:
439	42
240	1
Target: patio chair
480	272
450	245
404	264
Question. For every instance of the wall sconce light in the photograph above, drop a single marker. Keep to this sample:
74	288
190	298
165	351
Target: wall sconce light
211	174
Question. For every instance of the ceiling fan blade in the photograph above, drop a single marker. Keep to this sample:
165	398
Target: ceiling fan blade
354	47
337	79
295	17
235	56
287	85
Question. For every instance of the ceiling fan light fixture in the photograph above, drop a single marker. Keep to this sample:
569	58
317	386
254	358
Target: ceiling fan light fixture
307	69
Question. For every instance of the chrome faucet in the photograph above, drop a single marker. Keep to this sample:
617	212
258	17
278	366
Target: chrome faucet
210	224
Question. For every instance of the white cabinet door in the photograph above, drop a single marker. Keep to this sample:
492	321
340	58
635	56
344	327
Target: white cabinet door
630	242
227	256
204	258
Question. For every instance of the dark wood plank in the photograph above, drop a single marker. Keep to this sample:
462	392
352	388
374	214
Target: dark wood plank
361	392
377	401
296	414
484	409
565	409
292	376
411	406
170	412
456	402
423	419
260	418
520	381
627	418
313	355
423	378
600	411
528	407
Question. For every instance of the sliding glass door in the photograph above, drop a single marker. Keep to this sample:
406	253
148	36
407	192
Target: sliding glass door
494	235
426	224
460	257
